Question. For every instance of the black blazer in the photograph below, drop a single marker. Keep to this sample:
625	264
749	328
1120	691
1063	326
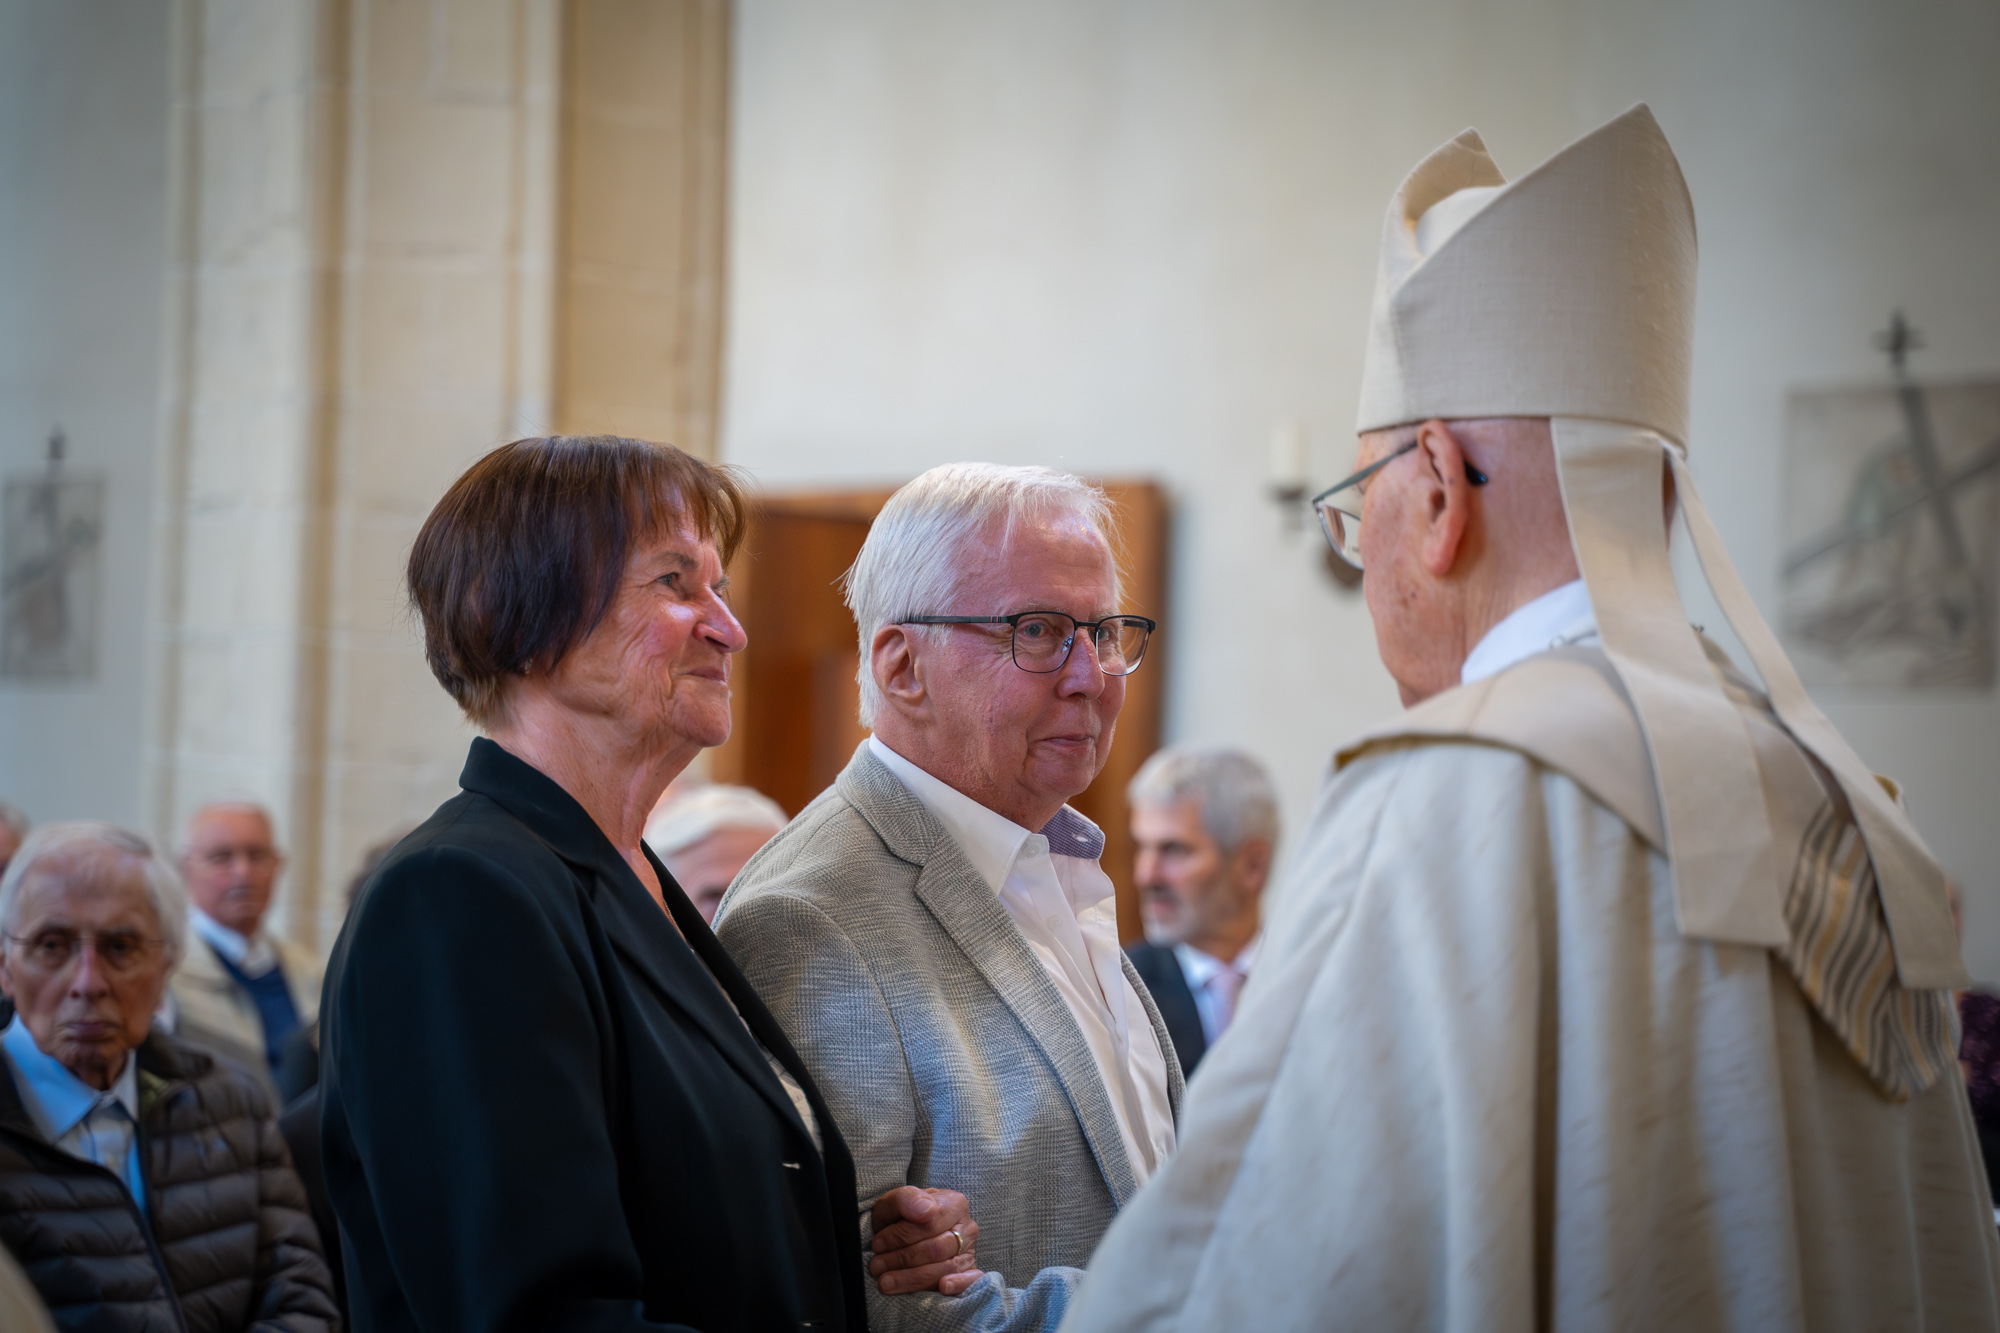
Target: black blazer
1161	971
539	1112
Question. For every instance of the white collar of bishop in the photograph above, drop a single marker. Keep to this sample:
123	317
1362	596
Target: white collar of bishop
990	840
1552	620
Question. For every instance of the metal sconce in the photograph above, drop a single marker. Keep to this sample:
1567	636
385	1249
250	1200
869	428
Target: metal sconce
1288	485
1287	481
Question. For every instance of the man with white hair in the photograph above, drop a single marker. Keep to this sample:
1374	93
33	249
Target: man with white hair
241	991
706	834
934	931
1610	989
1204	828
143	1184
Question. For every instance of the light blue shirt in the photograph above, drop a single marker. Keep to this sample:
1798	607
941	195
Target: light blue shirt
100	1127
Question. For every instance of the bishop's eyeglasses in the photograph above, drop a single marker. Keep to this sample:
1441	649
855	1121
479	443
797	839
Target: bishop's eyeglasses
1043	640
1339	505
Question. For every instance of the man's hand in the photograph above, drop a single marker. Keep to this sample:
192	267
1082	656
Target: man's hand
923	1239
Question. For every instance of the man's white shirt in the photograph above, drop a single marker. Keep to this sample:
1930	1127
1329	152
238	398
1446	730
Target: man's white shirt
1066	907
1552	620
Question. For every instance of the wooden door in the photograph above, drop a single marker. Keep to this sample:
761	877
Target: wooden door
795	694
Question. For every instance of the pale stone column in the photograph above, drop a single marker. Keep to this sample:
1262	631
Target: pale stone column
640	277
364	283
365	196
256	125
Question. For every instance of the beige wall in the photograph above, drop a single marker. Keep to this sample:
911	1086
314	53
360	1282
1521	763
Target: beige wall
1129	238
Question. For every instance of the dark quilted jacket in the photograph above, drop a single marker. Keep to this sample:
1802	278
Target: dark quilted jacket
231	1246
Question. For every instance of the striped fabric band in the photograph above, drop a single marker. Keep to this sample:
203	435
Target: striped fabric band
1840	953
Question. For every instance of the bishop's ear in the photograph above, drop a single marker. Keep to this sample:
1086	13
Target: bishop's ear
1445	495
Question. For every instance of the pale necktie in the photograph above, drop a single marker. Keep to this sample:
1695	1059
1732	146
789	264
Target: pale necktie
1224	986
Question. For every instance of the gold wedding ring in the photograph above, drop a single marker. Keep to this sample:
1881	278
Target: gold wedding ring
961	1243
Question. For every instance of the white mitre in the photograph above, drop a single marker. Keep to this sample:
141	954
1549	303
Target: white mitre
1569	294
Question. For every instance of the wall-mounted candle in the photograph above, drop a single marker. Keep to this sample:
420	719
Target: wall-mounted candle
1288	456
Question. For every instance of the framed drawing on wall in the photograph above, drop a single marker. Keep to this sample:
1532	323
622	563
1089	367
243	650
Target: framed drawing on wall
51	532
1892	532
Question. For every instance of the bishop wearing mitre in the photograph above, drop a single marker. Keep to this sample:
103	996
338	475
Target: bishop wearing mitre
1610	989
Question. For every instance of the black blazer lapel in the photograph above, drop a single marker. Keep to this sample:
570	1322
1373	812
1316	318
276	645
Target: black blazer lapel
642	936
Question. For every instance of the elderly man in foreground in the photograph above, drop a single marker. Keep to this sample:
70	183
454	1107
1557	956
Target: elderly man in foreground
143	1184
1611	990
934	931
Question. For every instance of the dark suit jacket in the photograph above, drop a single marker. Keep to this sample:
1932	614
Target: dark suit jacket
1161	971
538	1111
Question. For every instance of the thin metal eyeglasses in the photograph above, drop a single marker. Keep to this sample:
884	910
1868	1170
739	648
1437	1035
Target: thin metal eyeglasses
53	950
1041	641
1342	522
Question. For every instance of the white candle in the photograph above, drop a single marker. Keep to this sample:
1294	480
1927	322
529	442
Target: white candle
1288	456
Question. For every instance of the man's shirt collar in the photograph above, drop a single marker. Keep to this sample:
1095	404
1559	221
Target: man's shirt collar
991	841
55	1098
1550	621
253	955
1200	968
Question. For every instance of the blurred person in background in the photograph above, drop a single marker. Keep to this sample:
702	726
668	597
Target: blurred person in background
14	828
21	1307
548	1099
1204	829
706	834
241	991
298	1091
143	1183
298	1067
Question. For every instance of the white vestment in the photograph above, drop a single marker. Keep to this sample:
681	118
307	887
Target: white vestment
1481	1081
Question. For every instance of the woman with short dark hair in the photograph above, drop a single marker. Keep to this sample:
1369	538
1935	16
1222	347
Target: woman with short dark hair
548	1098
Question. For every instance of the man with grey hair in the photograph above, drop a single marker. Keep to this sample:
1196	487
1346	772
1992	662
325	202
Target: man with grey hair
934	931
241	991
143	1183
1204	827
707	833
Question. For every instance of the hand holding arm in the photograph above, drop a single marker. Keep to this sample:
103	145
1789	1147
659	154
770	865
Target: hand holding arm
923	1239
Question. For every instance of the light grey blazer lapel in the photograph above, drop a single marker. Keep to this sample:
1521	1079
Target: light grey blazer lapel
970	912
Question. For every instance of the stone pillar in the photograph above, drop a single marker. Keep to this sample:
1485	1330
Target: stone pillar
365	202
640	282
257	124
364	300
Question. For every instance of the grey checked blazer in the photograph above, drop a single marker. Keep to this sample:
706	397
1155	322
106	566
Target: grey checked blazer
946	1053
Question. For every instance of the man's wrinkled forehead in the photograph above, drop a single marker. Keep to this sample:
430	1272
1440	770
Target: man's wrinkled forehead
1029	558
72	879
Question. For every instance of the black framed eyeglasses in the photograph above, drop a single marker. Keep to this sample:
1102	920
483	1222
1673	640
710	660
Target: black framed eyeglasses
1042	640
1340	519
